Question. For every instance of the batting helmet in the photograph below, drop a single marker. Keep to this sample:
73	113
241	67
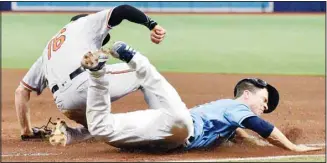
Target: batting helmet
273	95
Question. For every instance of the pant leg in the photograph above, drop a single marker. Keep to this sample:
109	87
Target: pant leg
176	118
98	105
121	84
73	100
151	99
126	83
157	85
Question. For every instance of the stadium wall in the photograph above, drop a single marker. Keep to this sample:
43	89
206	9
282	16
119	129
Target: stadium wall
193	7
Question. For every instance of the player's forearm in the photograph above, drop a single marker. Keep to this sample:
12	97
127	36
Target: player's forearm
241	133
243	136
132	14
22	97
277	138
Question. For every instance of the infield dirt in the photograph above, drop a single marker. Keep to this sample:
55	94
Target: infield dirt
300	115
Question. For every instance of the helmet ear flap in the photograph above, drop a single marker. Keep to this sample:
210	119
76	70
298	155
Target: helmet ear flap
273	95
273	99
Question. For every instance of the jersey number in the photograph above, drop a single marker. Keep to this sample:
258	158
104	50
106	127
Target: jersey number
56	43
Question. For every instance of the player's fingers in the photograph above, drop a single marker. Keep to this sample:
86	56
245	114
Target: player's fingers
155	40
160	31
157	36
316	148
311	149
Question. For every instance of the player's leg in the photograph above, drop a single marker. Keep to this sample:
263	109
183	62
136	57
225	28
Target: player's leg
98	103
74	98
70	102
134	128
124	81
151	99
155	83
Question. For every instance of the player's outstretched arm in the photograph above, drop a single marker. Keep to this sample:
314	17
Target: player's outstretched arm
273	135
132	14
277	138
22	97
243	137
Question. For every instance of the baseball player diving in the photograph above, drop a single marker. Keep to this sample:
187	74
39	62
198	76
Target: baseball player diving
59	68
170	125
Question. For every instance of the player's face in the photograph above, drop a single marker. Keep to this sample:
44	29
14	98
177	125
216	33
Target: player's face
258	101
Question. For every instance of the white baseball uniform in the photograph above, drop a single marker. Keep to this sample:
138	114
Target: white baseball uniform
63	55
163	128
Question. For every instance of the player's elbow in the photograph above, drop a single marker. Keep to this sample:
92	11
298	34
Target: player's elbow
19	91
124	7
22	92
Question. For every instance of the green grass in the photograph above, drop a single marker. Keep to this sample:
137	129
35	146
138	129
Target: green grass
292	159
261	44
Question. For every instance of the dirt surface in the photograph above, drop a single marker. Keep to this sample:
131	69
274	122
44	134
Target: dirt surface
300	115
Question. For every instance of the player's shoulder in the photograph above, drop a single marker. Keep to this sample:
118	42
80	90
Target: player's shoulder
230	103
101	13
234	106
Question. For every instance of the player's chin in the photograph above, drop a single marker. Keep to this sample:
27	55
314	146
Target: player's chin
259	112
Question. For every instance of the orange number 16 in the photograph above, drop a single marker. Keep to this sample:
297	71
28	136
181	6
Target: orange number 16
56	43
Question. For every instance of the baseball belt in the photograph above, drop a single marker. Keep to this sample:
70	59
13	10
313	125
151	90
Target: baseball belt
71	76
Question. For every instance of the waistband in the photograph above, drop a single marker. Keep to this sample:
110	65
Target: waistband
71	76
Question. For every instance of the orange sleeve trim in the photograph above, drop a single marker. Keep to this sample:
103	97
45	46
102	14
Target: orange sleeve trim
108	17
29	87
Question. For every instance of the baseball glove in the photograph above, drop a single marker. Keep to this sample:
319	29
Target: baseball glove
39	133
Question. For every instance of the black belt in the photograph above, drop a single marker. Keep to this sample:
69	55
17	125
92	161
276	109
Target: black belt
71	76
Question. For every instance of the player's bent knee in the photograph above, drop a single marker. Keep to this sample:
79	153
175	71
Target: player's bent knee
183	126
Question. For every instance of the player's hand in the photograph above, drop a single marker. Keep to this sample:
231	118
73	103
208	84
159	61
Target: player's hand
157	34
26	131
304	148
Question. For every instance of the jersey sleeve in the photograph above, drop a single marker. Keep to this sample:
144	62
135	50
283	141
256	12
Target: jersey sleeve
237	114
98	22
34	79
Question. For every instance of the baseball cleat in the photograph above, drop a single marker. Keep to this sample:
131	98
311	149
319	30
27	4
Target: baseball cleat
122	51
59	134
95	61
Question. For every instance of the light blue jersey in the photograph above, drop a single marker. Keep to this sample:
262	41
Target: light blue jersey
217	121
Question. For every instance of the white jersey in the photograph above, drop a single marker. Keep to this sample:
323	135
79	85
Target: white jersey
64	51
